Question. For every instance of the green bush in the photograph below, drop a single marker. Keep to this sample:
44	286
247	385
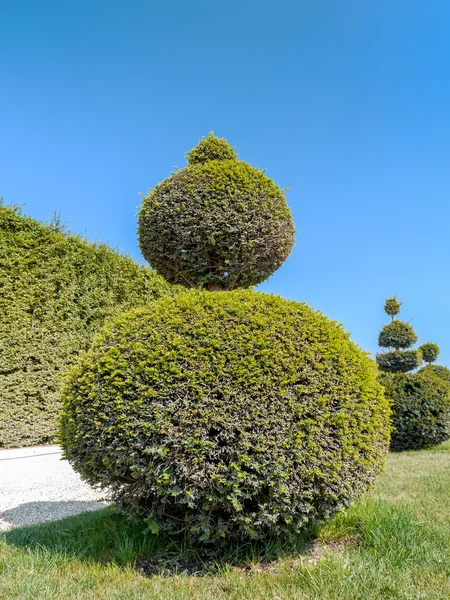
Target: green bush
429	351
399	361
228	415
55	290
397	334
217	224
400	335
439	370
421	408
392	306
210	148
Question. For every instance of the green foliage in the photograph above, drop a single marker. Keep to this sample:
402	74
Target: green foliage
439	370
421	409
217	224
392	306
210	148
430	352
397	334
399	361
229	416
55	289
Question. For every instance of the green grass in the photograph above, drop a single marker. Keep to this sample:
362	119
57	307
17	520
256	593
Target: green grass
395	544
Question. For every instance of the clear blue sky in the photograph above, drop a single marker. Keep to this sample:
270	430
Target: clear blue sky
347	102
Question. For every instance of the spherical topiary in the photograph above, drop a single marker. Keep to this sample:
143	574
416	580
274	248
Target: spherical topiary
397	334
430	352
392	306
399	361
218	224
421	409
439	370
227	415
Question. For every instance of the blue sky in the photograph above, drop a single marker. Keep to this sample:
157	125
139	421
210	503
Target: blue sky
345	102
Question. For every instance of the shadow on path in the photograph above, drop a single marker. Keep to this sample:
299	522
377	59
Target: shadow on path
33	513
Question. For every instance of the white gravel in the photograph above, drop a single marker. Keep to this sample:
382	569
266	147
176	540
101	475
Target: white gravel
37	486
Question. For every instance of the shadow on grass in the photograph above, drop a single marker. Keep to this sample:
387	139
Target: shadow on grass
108	536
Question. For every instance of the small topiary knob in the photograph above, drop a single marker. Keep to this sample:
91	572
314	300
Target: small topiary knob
430	352
392	306
210	148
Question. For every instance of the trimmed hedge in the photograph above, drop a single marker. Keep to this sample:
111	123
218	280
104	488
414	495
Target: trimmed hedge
230	415
421	408
218	224
55	290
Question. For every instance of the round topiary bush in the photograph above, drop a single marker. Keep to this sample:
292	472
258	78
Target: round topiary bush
439	370
230	415
218	224
421	409
392	306
397	334
429	351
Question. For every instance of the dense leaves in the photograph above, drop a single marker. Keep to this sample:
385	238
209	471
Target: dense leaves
392	306
55	289
210	148
217	224
399	361
421	409
439	370
429	351
397	334
228	415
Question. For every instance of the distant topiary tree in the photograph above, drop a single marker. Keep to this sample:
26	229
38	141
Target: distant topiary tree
400	336
421	400
429	351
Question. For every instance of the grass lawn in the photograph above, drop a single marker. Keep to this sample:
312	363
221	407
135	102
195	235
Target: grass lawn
393	544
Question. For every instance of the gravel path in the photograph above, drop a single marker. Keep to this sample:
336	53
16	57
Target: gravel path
37	486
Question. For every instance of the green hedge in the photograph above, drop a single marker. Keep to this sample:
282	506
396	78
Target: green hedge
229	415
420	408
55	290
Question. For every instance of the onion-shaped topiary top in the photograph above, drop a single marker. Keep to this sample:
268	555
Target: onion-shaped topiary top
397	334
392	306
210	148
430	352
218	224
231	415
